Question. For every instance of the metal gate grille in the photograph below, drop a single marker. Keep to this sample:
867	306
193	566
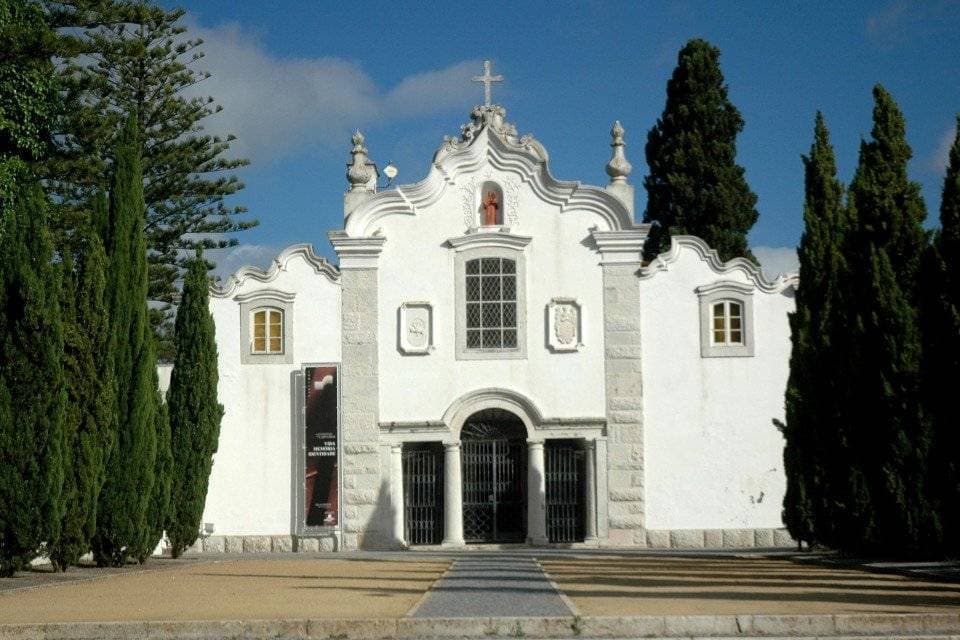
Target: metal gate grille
423	493
565	489
494	472
494	501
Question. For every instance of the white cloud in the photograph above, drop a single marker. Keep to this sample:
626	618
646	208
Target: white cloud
277	105
245	255
938	161
776	260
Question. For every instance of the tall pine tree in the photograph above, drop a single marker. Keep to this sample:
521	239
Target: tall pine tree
940	318
88	370
146	64
885	431
695	185
810	389
126	495
194	411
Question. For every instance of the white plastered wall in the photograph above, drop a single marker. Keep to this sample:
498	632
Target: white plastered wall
417	265
251	483
713	457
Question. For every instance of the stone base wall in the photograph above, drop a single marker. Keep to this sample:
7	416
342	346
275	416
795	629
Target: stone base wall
654	539
718	538
264	544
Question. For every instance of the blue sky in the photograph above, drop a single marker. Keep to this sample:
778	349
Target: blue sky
295	79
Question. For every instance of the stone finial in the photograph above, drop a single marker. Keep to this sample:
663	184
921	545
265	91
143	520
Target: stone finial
618	168
359	171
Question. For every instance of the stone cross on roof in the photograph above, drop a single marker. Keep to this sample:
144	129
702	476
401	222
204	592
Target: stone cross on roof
487	80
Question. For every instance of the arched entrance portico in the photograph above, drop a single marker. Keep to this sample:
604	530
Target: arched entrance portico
493	452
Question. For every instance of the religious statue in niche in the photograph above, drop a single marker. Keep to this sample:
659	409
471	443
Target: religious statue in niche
490	207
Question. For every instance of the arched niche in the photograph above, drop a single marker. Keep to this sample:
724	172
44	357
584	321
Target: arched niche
491	187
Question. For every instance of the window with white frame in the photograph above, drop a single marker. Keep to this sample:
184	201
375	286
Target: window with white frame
266	327
726	319
727	322
267	331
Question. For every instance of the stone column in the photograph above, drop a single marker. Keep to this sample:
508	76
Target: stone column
536	493
590	504
452	496
620	261
396	493
359	393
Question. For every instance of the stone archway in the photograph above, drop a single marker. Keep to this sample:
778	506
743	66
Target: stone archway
493	451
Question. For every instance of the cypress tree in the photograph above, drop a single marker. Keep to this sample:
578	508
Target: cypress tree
809	388
127	491
32	397
194	411
88	371
940	317
158	509
695	185
887	434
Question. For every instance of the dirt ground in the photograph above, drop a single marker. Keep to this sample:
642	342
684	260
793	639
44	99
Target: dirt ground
688	585
238	589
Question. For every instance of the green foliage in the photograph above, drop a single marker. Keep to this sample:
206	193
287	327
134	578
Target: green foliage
695	185
28	89
884	434
194	411
88	371
127	491
940	315
811	389
163	468
32	396
146	66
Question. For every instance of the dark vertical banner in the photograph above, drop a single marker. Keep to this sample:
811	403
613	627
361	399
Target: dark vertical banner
321	451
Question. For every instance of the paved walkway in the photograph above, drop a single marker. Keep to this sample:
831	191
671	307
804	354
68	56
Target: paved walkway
493	585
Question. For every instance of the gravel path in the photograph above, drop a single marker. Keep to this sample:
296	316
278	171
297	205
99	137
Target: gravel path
492	585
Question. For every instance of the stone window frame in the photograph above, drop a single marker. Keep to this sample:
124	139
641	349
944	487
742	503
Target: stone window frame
726	291
265	299
460	265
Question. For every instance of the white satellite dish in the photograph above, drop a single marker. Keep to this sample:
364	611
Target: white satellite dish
390	171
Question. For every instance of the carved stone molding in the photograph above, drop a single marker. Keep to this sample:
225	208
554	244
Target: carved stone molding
304	251
415	328
678	243
564	325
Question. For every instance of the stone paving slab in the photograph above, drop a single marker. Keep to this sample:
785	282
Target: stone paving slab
492	585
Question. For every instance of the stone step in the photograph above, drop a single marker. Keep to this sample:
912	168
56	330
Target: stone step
837	627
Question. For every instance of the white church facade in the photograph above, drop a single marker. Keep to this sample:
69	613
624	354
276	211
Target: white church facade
491	361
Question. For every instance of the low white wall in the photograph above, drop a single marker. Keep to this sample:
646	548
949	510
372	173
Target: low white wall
713	458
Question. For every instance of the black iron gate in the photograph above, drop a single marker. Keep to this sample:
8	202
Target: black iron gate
494	472
423	493
565	490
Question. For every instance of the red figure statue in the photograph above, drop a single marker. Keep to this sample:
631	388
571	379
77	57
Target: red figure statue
490	207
